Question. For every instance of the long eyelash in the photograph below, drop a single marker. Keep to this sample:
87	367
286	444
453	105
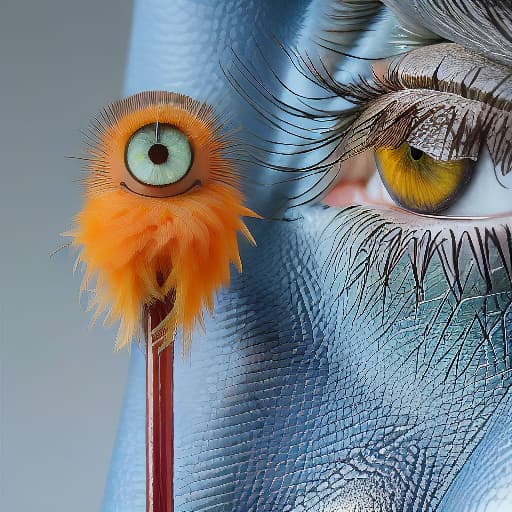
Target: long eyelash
409	114
381	112
374	262
327	126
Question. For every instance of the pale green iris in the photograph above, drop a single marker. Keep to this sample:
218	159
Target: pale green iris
158	155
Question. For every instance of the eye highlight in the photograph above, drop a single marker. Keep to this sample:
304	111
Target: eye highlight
158	155
418	182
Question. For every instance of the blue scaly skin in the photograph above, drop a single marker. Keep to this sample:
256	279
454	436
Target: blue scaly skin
325	381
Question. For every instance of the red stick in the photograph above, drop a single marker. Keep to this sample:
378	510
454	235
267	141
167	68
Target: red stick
159	416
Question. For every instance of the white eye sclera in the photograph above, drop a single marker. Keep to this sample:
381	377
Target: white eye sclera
158	154
489	193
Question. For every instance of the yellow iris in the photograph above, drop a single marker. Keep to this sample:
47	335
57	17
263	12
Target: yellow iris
420	183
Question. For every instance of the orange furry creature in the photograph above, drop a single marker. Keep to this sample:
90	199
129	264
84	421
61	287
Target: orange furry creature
161	214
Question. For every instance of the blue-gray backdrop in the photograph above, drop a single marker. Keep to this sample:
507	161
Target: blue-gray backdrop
61	384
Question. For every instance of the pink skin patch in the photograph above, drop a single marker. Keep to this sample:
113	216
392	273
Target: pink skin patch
359	183
346	194
357	171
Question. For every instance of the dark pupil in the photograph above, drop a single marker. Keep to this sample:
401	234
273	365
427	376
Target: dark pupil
158	154
416	154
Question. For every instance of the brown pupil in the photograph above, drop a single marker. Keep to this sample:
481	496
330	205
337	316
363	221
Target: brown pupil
158	154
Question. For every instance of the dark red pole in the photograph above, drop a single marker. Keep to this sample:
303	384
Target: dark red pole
159	415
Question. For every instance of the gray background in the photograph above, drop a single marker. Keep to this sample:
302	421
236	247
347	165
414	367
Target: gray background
61	383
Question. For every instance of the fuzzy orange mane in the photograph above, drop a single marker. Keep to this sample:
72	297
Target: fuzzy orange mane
138	250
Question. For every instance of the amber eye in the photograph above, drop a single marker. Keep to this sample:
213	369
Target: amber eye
158	154
418	182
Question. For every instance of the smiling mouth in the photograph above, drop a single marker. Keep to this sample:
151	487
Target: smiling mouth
196	183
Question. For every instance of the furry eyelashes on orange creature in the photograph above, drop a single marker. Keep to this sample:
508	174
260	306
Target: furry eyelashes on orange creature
161	213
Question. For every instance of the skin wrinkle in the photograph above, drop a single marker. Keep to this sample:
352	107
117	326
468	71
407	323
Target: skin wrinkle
386	359
358	363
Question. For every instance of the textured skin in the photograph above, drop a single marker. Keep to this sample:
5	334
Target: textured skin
318	385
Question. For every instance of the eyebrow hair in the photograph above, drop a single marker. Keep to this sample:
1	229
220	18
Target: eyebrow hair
369	30
483	25
346	21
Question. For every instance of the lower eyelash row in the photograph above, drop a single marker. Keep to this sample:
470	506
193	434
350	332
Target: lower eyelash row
380	241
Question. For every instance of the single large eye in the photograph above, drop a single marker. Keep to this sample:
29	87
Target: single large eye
419	183
158	154
157	144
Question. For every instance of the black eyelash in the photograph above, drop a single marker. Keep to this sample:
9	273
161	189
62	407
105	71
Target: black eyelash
329	125
379	112
476	264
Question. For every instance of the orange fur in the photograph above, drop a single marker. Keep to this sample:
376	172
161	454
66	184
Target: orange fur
126	240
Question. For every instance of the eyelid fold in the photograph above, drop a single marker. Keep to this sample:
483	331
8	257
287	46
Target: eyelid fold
480	24
438	105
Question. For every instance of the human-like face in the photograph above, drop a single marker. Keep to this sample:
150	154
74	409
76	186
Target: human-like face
362	360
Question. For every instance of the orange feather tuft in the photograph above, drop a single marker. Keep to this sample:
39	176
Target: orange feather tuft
140	248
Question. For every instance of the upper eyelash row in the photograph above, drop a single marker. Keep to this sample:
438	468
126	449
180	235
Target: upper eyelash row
332	128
